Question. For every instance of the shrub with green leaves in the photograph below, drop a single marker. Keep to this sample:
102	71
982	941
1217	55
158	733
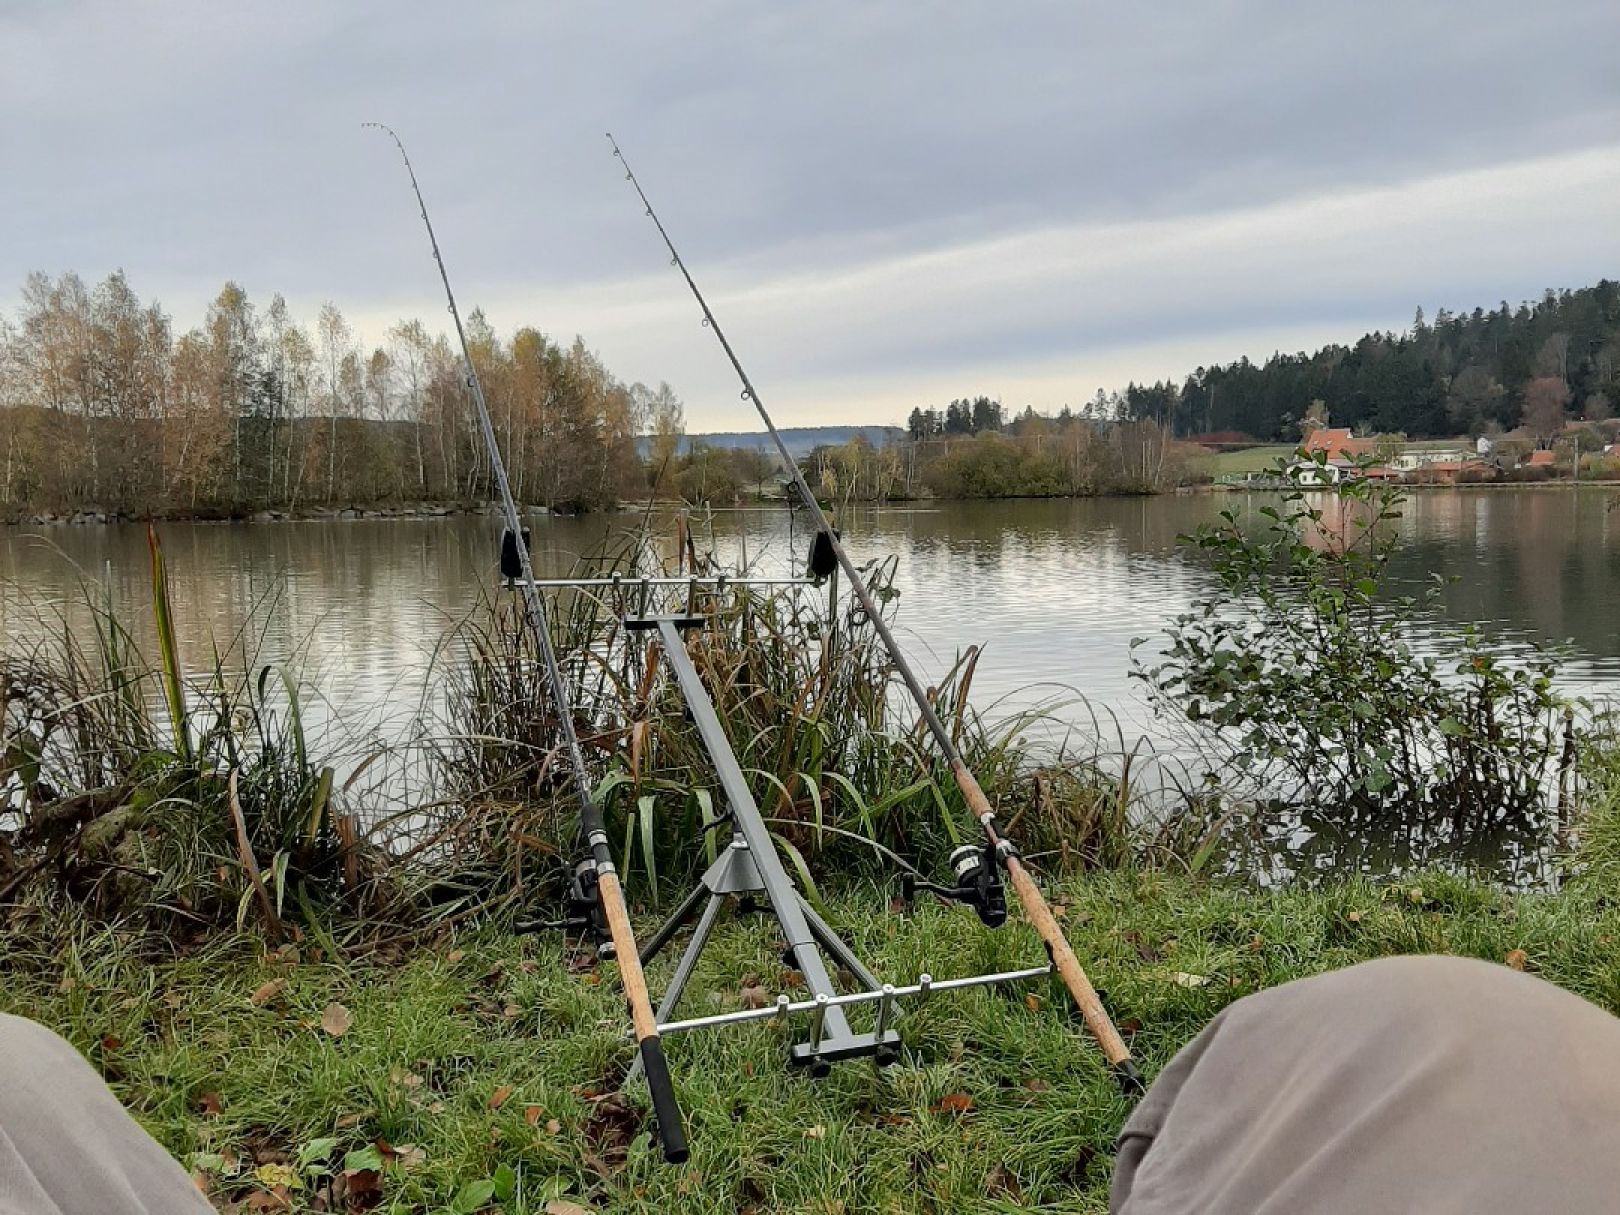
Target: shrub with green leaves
1299	675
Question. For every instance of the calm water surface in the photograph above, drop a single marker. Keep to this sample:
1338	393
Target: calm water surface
1053	591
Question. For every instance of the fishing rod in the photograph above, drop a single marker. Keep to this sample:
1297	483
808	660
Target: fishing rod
1000	850
608	893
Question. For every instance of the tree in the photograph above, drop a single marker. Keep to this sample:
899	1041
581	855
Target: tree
708	475
1552	359
753	467
1544	401
333	332
1316	414
666	422
1473	399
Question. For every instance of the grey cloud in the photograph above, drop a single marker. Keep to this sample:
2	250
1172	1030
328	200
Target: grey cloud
190	142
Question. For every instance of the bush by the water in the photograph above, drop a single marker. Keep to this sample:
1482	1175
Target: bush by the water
1299	679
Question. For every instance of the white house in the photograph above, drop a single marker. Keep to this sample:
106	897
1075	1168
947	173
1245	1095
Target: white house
1412	459
1310	473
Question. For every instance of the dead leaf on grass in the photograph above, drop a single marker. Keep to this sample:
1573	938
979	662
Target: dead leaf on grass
336	1020
267	992
1518	959
499	1096
1002	1184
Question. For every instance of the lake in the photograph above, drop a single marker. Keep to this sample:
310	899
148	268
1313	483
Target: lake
1054	591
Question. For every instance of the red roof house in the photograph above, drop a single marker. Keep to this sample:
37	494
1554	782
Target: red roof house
1338	444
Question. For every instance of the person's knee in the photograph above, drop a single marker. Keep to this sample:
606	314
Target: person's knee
24	1046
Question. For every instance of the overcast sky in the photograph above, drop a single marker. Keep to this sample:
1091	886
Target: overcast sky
889	204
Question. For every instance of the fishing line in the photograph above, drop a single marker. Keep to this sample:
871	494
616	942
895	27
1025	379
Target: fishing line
999	850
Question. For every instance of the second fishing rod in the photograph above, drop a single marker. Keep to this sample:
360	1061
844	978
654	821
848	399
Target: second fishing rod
1001	848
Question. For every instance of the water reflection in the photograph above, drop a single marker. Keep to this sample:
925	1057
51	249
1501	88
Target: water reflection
1053	590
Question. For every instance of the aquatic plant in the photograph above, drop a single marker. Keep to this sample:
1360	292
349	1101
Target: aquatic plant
837	757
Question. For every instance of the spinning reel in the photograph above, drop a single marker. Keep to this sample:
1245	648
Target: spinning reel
583	911
978	884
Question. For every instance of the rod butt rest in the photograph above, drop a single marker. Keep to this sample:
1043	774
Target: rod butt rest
671	1134
1129	1079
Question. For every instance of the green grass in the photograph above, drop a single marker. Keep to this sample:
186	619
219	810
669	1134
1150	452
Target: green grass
1250	459
437	1034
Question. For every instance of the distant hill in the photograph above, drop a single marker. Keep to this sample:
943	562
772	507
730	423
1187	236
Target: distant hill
800	440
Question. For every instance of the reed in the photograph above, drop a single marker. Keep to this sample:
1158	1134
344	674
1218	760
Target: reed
188	795
169	792
814	710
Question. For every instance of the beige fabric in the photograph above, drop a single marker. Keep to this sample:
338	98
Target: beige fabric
67	1147
1422	1084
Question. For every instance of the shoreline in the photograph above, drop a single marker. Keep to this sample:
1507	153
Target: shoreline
95	517
477	1050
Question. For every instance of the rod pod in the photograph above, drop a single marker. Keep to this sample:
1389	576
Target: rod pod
1029	895
671	1134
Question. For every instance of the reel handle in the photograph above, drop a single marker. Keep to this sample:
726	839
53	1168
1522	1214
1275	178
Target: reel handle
1046	926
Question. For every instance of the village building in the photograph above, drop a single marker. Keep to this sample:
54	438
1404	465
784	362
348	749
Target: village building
1330	455
1414	458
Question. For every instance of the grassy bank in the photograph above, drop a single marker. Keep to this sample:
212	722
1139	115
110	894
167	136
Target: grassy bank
477	1060
320	1006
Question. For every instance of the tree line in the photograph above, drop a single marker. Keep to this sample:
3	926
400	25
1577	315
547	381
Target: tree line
103	406
1537	366
1031	457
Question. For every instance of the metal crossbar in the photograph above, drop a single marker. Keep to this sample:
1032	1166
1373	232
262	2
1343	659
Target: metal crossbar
629	582
885	997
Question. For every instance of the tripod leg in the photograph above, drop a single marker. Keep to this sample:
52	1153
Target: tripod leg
683	970
674	924
833	944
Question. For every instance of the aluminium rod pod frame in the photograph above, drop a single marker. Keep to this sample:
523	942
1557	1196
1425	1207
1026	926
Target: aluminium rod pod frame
749	866
1036	910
